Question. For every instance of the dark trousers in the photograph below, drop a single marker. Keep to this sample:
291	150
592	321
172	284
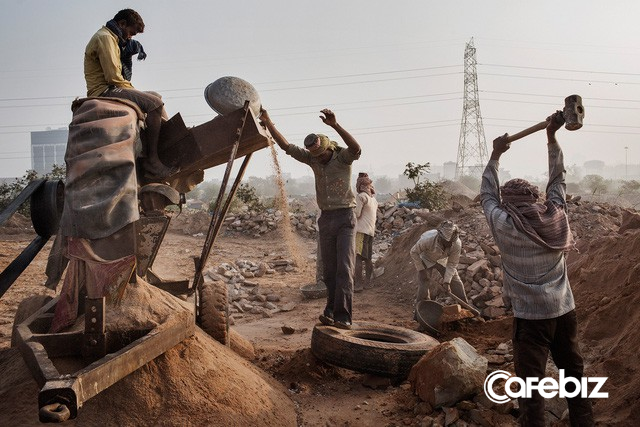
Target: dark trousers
532	341
337	244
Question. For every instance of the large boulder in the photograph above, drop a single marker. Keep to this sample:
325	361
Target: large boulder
451	372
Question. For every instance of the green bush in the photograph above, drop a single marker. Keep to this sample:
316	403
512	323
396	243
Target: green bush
245	195
248	195
426	194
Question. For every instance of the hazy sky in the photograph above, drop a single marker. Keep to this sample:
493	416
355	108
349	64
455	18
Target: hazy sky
391	70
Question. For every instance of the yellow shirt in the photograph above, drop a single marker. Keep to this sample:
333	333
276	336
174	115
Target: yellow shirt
102	66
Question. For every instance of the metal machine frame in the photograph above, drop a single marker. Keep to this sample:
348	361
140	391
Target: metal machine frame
106	357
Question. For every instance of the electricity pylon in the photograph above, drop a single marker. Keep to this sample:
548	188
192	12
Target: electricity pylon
472	146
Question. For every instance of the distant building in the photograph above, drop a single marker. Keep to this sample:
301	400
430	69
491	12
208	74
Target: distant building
47	149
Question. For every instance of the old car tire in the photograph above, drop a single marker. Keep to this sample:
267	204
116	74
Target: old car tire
372	348
214	311
26	308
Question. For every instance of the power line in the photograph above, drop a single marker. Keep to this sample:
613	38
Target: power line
405	127
556	104
562	79
325	78
301	107
590	125
555	96
408	70
560	69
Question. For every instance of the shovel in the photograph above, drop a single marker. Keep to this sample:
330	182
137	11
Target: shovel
459	301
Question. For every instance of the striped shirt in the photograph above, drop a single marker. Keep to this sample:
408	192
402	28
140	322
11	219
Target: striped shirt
535	278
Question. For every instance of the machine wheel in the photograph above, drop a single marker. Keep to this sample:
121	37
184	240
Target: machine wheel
372	348
214	311
26	308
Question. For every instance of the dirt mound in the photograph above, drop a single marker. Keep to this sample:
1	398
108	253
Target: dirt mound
605	278
458	189
197	382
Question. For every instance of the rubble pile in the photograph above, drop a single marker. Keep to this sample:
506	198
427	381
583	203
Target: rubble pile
245	295
256	223
246	221
592	219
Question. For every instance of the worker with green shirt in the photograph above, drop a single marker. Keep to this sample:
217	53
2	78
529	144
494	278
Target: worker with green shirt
331	167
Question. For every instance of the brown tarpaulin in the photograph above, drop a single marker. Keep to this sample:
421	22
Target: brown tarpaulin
101	187
87	270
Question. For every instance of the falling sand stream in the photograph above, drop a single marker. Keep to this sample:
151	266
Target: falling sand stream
289	237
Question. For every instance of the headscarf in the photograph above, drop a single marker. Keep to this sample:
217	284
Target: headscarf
128	48
545	223
317	144
364	184
448	230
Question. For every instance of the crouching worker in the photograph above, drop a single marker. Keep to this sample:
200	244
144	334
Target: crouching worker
438	249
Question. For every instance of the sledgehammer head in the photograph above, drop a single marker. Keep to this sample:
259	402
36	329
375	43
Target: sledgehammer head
573	112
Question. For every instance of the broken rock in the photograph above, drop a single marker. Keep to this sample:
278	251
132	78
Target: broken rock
449	373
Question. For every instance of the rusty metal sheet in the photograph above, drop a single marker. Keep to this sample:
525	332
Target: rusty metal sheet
210	143
150	233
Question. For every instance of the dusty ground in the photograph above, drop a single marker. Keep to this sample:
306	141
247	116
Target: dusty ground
604	277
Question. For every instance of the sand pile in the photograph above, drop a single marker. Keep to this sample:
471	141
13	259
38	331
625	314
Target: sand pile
197	382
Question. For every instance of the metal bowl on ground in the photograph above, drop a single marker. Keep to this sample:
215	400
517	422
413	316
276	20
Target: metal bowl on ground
229	93
314	291
429	314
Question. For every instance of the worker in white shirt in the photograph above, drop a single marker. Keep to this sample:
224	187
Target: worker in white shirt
439	249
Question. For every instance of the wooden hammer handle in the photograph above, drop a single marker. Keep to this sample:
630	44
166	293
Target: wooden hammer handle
528	131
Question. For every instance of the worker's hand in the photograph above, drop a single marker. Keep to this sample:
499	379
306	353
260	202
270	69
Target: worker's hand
501	143
329	118
447	286
265	120
556	120
422	276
